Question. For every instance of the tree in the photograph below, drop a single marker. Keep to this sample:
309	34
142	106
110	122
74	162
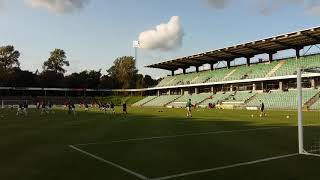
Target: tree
76	80
149	82
94	79
9	58
56	61
139	81
84	79
51	79
106	82
124	71
21	78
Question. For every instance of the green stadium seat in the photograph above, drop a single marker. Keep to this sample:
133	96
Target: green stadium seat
281	99
143	101
161	100
195	98
290	65
258	70
219	96
239	96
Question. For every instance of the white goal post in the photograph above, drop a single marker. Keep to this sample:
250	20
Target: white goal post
301	145
300	117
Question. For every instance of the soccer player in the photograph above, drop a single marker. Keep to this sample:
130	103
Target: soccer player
262	109
124	108
73	109
103	108
86	107
189	106
112	108
20	108
25	108
69	107
38	105
50	106
43	108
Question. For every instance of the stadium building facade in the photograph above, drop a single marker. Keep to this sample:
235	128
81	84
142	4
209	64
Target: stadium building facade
272	81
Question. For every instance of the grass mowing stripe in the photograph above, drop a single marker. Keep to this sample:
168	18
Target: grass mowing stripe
176	136
225	167
110	163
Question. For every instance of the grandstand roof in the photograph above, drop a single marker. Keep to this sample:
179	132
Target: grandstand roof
294	40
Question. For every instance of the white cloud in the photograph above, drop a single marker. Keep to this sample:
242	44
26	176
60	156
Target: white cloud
218	4
314	8
267	7
58	6
164	37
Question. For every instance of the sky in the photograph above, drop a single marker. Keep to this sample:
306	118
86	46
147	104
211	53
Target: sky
95	32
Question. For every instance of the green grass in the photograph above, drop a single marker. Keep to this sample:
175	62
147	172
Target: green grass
37	147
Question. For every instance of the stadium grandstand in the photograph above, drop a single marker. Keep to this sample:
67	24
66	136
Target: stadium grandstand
83	95
224	85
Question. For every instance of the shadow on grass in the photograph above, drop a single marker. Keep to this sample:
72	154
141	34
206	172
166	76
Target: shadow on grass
36	145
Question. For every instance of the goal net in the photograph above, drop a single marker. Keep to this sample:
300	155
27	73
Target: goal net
12	103
308	112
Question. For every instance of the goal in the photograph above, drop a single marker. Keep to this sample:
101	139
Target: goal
308	132
12	103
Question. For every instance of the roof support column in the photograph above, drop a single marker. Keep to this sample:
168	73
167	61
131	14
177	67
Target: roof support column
228	64
313	83
248	61
184	70
197	69
211	66
281	85
298	52
172	72
196	90
270	57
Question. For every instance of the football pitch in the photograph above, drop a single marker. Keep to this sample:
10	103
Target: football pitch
156	144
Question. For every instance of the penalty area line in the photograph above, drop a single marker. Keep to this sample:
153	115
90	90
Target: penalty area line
179	135
110	163
225	167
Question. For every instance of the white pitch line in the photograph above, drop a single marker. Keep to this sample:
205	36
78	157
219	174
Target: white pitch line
315	124
110	163
225	167
311	154
181	135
